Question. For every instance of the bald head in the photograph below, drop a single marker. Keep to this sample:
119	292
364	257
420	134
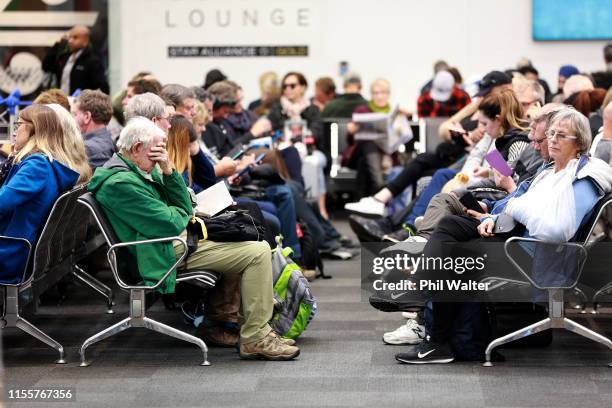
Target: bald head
78	38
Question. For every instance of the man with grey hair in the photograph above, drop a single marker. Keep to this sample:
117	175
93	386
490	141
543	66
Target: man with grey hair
144	197
344	105
152	107
182	98
531	95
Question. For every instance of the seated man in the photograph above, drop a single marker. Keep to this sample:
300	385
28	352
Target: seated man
144	197
92	111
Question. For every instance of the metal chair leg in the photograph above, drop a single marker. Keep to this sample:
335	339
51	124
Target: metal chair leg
577	328
11	318
600	293
110	331
34	331
172	332
96	285
519	334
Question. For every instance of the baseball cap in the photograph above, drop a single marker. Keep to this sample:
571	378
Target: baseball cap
491	80
442	86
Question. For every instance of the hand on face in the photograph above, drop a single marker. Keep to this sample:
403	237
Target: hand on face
159	155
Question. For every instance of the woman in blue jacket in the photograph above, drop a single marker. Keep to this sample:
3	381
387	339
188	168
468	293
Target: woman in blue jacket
43	163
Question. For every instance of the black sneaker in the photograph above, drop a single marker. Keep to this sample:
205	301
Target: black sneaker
427	352
368	230
399	301
399	235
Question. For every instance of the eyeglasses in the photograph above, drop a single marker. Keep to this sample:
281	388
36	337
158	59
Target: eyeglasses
538	141
551	134
15	127
290	86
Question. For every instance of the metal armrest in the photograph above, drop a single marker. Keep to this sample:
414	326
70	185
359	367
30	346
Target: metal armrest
497	282
580	247
25	267
111	254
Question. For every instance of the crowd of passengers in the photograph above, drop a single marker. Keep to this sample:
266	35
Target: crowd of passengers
146	149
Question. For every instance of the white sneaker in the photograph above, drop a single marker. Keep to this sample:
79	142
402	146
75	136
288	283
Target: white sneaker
409	315
367	205
409	333
418	221
416	238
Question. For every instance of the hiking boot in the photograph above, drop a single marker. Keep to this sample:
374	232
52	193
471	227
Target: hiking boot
218	336
268	348
310	274
289	342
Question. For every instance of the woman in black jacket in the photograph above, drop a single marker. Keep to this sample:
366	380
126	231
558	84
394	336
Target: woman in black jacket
293	105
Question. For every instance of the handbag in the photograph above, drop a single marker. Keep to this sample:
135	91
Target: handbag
233	225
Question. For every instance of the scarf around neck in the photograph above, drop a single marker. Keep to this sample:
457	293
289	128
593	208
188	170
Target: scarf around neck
294	109
378	109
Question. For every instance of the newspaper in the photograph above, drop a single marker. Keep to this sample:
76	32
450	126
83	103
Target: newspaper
388	131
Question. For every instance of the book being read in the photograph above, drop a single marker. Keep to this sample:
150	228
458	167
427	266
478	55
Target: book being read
213	200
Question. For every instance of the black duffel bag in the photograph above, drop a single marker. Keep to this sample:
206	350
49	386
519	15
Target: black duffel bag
234	225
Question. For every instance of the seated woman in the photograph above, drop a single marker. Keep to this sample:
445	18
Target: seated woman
365	156
293	106
573	181
43	168
500	116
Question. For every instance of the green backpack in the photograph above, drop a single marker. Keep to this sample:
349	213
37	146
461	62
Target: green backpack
295	306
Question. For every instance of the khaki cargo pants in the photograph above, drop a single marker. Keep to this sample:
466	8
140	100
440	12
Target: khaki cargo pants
251	260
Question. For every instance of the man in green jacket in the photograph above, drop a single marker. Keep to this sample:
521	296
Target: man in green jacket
144	197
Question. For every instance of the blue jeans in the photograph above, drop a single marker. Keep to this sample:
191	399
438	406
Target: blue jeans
439	179
282	197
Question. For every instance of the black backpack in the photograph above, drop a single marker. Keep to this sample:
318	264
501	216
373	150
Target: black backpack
311	258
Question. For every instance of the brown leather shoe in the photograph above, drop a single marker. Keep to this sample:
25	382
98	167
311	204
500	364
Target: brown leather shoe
217	336
268	348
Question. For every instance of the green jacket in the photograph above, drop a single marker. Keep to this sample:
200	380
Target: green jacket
143	206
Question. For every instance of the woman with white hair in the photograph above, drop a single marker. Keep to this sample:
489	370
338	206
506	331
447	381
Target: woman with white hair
551	206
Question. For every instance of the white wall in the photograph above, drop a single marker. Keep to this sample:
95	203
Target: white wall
395	39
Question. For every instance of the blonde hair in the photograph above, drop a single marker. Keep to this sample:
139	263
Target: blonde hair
48	136
73	140
201	115
178	145
268	82
380	83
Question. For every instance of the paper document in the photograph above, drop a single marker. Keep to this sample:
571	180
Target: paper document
389	131
214	199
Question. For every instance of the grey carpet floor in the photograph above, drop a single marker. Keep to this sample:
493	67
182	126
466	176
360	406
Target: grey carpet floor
343	363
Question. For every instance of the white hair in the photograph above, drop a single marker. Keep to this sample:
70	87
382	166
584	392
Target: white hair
138	129
147	105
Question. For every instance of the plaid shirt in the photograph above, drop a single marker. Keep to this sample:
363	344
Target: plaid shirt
428	108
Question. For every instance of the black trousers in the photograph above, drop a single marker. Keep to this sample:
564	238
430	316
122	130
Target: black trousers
452	228
424	164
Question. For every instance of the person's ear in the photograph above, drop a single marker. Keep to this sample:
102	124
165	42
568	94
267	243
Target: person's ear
87	115
136	148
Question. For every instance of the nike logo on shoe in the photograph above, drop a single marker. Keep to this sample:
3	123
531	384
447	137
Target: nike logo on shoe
396	295
425	354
